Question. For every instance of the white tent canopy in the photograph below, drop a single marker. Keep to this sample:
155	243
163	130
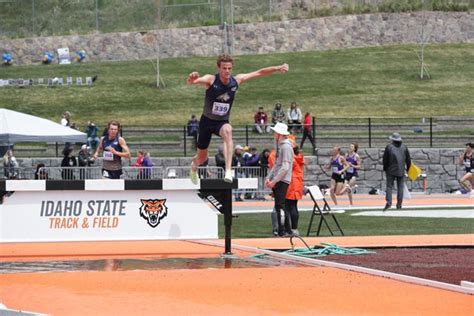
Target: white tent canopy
19	127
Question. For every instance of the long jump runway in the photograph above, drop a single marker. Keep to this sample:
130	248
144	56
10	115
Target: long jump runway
127	278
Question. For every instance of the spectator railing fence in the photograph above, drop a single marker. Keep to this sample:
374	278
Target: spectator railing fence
152	173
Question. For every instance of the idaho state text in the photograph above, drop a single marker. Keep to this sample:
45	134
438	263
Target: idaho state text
75	208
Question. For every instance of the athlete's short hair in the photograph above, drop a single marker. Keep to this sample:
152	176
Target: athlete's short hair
113	122
224	58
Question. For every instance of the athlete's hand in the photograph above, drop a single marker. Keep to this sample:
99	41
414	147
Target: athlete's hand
284	68
192	77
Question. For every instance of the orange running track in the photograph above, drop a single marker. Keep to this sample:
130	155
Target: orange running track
243	291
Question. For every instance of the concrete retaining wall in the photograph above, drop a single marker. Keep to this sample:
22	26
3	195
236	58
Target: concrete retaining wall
289	36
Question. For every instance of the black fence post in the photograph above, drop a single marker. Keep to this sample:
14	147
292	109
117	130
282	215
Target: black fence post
314	133
370	133
246	135
431	132
184	140
57	149
227	205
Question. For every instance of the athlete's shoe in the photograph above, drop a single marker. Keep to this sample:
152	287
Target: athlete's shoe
194	175
228	176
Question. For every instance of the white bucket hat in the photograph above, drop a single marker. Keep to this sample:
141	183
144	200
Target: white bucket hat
280	128
395	137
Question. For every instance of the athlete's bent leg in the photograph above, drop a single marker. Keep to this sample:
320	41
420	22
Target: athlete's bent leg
198	159
226	134
465	180
332	191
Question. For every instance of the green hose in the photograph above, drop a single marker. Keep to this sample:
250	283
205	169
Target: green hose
317	251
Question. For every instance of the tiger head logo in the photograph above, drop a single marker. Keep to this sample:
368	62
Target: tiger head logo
153	210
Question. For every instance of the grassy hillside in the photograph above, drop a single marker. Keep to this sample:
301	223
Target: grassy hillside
376	82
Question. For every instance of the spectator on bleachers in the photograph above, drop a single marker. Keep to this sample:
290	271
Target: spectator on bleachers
220	160
252	162
237	163
308	131
278	114
261	121
192	129
85	160
10	165
41	173
294	117
253	159
66	119
145	164
69	161
263	163
92	137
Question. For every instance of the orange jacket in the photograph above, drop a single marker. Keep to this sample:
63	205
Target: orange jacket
295	189
271	159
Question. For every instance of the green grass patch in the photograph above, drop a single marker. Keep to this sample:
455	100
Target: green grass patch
259	225
354	83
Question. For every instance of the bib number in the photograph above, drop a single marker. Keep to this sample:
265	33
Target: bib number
335	169
220	109
350	170
467	163
108	156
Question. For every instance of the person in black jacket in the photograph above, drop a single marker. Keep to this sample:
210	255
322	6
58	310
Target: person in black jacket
396	158
68	162
85	160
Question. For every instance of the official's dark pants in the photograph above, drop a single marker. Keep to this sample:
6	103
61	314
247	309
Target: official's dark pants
279	194
291	215
388	194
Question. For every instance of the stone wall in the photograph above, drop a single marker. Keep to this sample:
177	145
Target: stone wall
440	166
289	36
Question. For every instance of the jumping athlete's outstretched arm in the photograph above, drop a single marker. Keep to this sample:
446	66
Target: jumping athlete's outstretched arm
241	78
205	80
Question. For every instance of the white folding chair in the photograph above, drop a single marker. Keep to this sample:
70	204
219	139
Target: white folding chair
316	195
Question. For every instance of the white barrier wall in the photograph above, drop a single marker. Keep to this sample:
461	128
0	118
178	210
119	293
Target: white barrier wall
97	210
119	215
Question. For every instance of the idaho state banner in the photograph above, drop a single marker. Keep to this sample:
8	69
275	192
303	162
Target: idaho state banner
115	215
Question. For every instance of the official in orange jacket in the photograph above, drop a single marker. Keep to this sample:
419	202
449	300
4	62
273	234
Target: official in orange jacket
295	192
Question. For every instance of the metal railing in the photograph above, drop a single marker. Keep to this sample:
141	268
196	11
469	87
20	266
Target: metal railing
370	132
152	173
